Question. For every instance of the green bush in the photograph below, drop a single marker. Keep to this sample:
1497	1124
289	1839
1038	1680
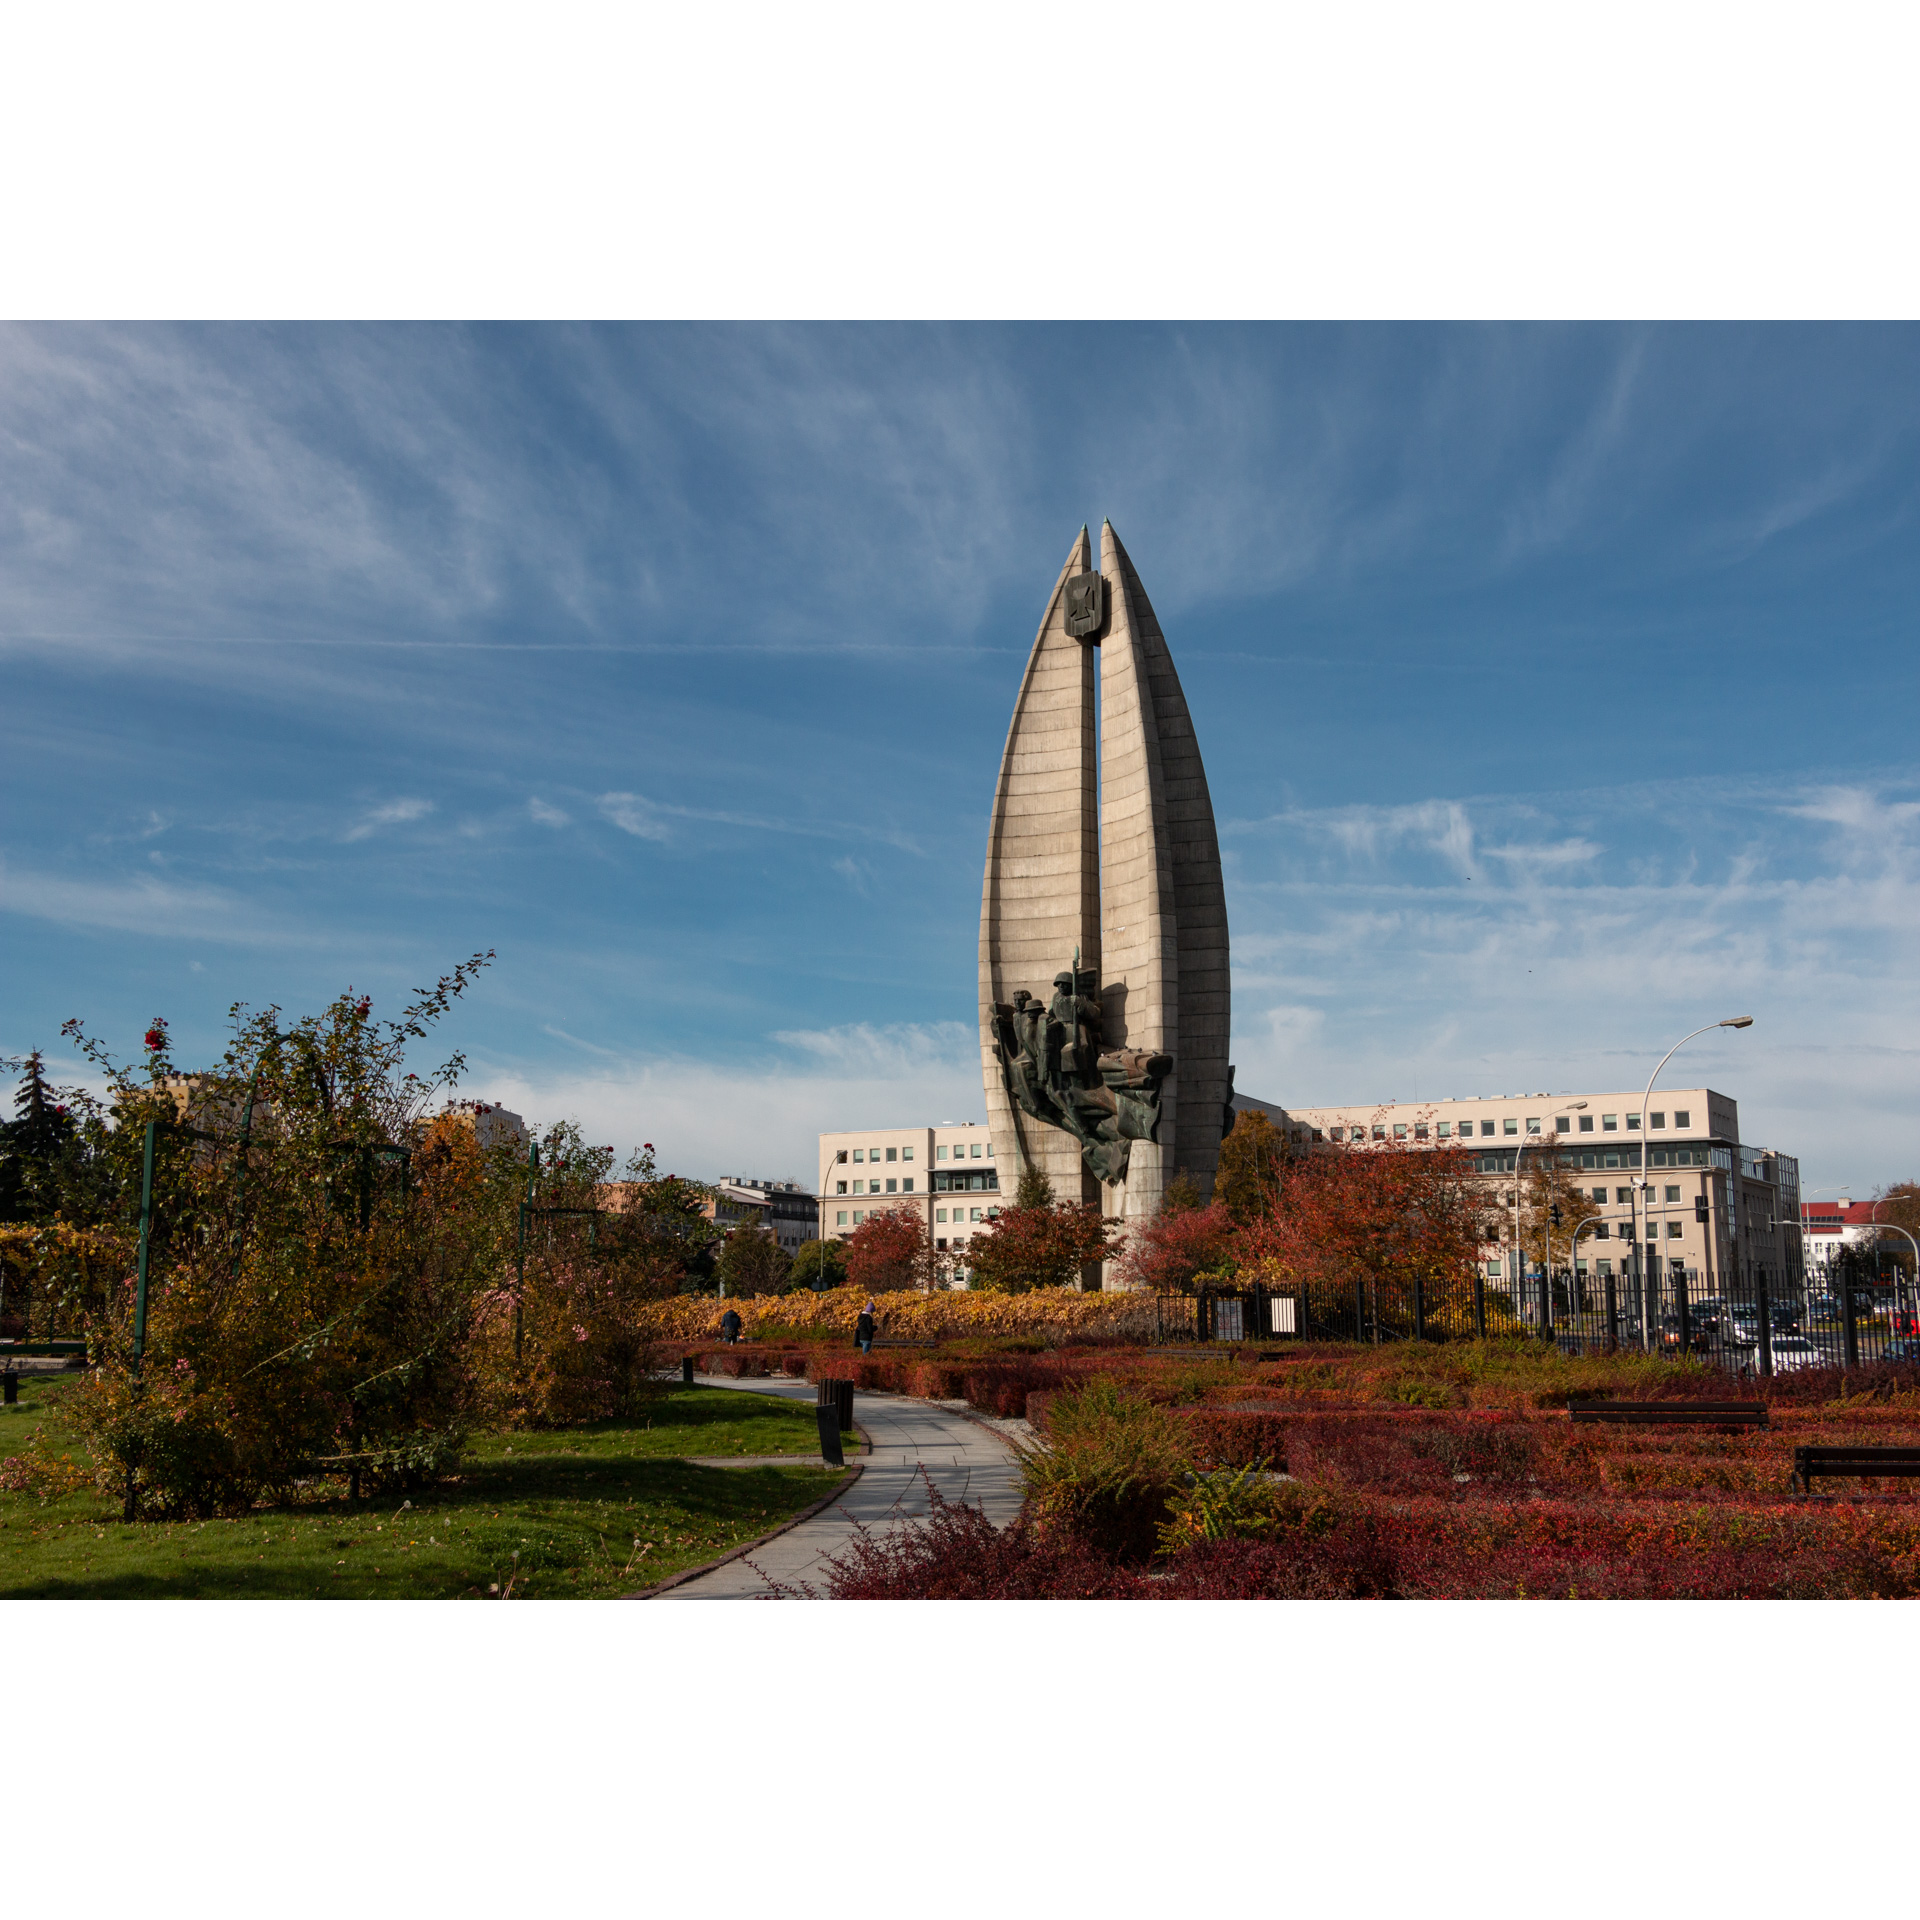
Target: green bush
1114	1464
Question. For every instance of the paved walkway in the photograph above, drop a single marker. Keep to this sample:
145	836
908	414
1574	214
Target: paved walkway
965	1460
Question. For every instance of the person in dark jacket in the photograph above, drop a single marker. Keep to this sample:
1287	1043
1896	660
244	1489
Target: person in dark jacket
863	1329
730	1326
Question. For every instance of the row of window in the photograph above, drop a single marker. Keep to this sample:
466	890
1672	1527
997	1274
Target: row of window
960	1215
1443	1129
962	1150
1496	1269
873	1186
1625	1158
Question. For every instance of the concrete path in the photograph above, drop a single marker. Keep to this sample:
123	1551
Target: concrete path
965	1460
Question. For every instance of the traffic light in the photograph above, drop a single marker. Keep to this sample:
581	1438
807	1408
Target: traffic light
1700	1209
1553	1214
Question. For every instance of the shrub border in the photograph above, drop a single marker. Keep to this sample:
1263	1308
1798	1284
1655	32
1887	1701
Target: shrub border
853	1472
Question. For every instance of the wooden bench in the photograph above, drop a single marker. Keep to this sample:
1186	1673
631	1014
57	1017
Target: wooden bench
1670	1413
1866	1463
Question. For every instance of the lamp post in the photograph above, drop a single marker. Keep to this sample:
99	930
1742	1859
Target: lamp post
1913	1243
1520	1252
1644	1186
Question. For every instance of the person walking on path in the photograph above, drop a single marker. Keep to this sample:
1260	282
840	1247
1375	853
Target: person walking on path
730	1326
863	1329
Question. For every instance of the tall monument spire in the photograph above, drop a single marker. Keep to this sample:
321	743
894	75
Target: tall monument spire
1105	885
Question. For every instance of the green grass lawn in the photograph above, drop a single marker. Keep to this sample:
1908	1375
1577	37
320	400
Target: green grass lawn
584	1514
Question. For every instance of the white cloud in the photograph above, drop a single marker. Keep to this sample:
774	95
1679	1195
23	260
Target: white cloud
708	1119
139	903
394	814
631	814
546	815
1562	963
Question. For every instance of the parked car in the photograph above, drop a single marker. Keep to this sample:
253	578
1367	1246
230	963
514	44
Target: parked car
1741	1328
1792	1351
1697	1341
1822	1306
1903	1350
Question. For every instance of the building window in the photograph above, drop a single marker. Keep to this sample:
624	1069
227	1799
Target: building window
940	1218
840	1218
1682	1118
1609	1123
893	1186
1600	1231
1379	1133
1399	1130
1486	1129
1563	1123
906	1185
1633	1123
1656	1119
1673	1193
1444	1130
1316	1133
891	1154
941	1244
973	1213
989	1149
976	1150
1586	1123
1336	1134
858	1215
1419	1133
1673	1229
859	1155
906	1153
1609	1159
1509	1125
1606	1269
1533	1124
939	1153
840	1158
1623	1196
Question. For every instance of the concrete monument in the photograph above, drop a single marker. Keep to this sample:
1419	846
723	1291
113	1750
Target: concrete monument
1103	877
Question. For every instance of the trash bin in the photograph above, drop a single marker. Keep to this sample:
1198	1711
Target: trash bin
686	1369
10	1390
837	1394
828	1416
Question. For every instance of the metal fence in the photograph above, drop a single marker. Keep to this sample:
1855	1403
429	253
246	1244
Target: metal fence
1749	1327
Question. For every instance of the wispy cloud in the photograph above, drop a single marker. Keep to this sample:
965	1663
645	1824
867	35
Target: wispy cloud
140	903
633	815
546	815
394	813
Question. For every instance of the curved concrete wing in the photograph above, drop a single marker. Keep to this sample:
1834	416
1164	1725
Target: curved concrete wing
1166	983
1041	896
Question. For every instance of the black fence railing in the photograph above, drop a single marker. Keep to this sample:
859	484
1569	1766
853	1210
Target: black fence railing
1750	1327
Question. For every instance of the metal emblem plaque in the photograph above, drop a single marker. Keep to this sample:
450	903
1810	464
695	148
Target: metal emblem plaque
1086	605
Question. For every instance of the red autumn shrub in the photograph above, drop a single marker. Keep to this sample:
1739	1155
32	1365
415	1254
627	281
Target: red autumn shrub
1168	1253
957	1553
1235	1436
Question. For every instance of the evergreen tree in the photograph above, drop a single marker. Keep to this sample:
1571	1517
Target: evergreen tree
1251	1158
36	1147
1181	1196
1034	1190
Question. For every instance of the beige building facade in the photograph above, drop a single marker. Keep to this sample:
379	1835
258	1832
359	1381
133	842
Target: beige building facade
947	1176
1689	1150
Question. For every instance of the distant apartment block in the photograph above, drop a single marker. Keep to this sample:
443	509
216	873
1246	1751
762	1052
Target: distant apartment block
1831	1225
946	1175
784	1207
1690	1150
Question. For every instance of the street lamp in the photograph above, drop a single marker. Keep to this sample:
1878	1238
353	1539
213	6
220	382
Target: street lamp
1912	1242
1645	1185
1520	1252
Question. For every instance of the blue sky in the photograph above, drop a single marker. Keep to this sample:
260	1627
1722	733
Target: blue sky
1555	686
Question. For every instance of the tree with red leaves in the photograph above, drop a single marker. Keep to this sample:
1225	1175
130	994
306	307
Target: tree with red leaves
1180	1245
1379	1216
1046	1244
891	1252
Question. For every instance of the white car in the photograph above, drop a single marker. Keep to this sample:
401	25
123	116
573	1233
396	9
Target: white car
1792	1351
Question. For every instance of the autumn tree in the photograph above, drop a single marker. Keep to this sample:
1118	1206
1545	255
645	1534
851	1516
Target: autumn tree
1251	1158
819	1266
1178	1248
1182	1195
752	1261
1381	1217
1544	1187
1045	1245
891	1251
